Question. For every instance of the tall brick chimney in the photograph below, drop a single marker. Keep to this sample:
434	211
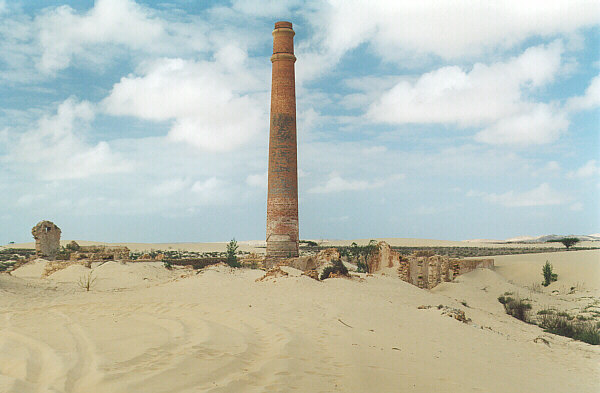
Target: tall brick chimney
282	200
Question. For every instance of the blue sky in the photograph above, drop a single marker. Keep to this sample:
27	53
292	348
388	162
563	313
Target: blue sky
148	121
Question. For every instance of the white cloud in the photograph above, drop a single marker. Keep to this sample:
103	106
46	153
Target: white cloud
211	190
484	94
589	100
543	124
169	187
405	30
36	47
374	150
266	8
215	105
552	166
589	169
543	195
576	207
56	148
336	183
63	33
257	180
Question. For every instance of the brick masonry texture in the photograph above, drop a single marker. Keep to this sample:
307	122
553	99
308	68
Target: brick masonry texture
423	268
282	200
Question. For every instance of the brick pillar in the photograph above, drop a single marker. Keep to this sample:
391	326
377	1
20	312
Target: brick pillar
282	200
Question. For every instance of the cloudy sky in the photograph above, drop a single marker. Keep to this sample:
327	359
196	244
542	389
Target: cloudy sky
148	121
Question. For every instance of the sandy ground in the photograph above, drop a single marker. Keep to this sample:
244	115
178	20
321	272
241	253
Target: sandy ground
143	328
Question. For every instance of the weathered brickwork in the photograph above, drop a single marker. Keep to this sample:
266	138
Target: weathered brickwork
423	268
47	239
282	200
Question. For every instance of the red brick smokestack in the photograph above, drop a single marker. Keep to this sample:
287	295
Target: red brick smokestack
282	201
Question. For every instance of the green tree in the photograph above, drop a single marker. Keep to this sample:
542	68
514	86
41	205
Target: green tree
232	248
567	241
548	275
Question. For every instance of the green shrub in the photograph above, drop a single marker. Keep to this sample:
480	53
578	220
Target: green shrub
518	308
549	276
231	254
360	254
168	265
505	299
545	311
577	330
361	267
336	267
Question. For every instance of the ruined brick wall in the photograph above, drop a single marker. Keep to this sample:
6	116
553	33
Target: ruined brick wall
47	239
282	200
383	257
462	266
423	269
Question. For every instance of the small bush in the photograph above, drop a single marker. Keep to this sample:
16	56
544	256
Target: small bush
168	265
505	299
231	254
518	308
549	276
337	267
87	281
577	330
361	267
545	311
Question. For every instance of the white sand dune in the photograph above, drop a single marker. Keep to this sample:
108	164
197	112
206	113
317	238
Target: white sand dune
146	329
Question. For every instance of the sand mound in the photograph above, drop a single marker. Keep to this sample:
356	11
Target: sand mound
72	273
33	269
116	275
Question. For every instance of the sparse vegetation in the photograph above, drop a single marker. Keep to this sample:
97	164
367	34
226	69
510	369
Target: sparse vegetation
9	254
337	267
64	254
518	308
360	255
232	248
545	311
536	287
168	265
72	246
568	242
549	276
577	330
87	281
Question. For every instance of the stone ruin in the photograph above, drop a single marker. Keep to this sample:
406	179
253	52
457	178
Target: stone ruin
423	269
47	239
47	246
97	252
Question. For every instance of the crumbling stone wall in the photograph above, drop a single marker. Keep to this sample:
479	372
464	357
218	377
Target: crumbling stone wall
383	257
315	262
97	252
462	266
423	268
47	239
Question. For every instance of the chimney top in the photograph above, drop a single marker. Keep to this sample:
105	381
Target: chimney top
283	25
